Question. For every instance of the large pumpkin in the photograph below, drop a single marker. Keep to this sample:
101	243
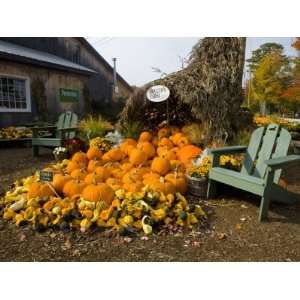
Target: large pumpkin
137	157
74	165
94	153
187	153
73	187
160	165
59	182
38	189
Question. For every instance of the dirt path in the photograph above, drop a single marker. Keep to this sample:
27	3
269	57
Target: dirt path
232	232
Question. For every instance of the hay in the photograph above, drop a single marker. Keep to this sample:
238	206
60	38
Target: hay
208	90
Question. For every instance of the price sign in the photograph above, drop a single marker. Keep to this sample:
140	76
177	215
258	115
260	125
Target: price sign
46	176
158	93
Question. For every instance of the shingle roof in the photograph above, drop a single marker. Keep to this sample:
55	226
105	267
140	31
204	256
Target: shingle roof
13	50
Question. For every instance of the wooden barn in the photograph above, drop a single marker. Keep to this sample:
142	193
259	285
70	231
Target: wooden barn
41	77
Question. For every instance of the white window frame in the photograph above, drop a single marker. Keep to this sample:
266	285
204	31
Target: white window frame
27	91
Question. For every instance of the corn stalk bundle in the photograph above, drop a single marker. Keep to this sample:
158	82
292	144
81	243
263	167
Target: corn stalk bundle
208	90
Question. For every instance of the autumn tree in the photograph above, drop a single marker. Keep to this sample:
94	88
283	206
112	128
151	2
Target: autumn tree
261	52
271	77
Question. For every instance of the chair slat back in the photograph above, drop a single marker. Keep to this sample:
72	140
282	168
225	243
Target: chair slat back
66	120
282	147
252	150
266	150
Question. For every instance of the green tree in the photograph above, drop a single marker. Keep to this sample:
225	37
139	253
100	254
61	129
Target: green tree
271	77
261	52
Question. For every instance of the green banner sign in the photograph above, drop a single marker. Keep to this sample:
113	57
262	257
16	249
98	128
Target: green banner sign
68	95
46	176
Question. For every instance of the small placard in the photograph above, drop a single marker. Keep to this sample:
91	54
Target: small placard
158	93
46	176
68	95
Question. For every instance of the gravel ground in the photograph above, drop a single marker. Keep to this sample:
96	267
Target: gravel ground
231	232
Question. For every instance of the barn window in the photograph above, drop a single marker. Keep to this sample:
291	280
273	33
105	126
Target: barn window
14	94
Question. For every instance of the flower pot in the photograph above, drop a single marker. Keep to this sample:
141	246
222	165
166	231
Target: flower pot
197	187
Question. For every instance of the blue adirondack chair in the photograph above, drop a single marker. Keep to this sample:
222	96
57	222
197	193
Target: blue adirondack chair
265	157
65	128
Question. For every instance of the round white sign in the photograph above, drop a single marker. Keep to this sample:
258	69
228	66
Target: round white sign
158	93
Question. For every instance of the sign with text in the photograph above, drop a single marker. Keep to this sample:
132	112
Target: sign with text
158	93
68	95
46	176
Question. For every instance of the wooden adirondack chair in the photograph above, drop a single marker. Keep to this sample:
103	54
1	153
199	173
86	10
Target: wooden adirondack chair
265	157
65	128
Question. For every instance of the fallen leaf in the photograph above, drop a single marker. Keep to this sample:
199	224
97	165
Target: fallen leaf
52	235
243	219
238	226
76	252
22	237
144	238
222	236
127	239
67	244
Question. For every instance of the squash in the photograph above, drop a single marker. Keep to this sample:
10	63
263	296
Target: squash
114	183
149	178
167	154
38	189
163	132
80	158
187	153
106	192
94	153
183	141
160	165
59	182
145	136
114	154
104	172
177	166
137	157
163	186
126	167
73	187
147	148
176	137
93	178
91	193
133	187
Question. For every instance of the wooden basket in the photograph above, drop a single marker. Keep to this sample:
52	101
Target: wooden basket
197	187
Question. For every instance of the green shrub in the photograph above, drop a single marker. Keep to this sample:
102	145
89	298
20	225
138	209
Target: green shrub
131	129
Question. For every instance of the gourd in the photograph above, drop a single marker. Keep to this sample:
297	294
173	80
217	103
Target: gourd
163	132
133	187
163	186
183	141
103	172
59	182
93	164
114	183
160	165
137	157
165	142
74	165
93	178
38	189
73	187
114	155
94	153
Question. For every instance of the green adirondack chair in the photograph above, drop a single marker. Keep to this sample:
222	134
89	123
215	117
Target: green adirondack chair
265	157
65	128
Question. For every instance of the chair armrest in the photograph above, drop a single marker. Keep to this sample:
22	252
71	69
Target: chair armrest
228	150
282	162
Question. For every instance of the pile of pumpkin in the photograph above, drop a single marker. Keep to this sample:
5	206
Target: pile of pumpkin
138	185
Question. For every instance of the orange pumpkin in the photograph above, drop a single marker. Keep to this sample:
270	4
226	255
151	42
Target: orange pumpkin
178	181
160	165
183	141
133	187
115	154
148	148
163	186
127	166
137	157
91	193
168	154
59	181
74	165
73	187
93	178
163	132
187	153
106	192
93	164
80	158
78	174
38	189
177	165
165	142
102	171
114	183
176	137
94	153
145	136
149	178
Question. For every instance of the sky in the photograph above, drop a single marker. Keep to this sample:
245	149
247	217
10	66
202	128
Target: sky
137	56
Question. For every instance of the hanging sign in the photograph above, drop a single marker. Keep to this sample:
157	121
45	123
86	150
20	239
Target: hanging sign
68	95
158	93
